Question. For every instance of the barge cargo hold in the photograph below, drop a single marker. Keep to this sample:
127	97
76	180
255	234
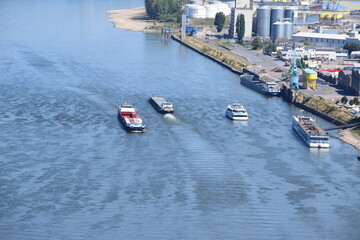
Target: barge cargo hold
267	88
310	132
161	105
130	119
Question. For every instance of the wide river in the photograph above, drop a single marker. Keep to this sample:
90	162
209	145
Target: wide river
70	171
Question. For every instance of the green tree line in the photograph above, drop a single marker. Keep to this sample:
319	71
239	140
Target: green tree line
164	10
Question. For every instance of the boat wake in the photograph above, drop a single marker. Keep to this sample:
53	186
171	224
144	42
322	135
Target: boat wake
171	117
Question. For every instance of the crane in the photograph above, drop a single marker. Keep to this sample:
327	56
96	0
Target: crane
294	73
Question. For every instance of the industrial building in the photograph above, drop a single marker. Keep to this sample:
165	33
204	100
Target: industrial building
208	9
350	80
327	40
269	20
309	78
245	7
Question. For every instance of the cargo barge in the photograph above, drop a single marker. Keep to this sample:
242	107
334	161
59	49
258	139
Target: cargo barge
161	105
267	88
310	132
130	119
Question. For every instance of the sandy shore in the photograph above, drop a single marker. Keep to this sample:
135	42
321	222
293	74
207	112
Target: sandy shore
349	137
134	19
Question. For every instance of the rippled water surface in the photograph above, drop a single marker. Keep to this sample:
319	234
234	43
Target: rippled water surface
69	170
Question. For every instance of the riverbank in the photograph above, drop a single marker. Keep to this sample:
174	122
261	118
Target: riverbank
133	19
350	137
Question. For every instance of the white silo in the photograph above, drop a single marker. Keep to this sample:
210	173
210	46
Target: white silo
277	13
211	11
288	32
263	21
278	30
197	11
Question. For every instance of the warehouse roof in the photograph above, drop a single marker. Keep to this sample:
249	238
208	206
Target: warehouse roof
321	35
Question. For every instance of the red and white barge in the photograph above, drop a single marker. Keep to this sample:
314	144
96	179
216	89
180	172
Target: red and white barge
130	119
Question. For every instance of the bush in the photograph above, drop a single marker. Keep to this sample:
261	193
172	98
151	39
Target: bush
344	100
356	101
257	43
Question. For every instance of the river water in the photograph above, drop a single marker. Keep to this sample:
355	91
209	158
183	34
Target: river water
69	170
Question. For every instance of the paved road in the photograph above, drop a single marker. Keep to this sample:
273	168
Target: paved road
259	59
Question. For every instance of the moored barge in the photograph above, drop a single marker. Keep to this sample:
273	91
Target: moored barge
310	132
267	88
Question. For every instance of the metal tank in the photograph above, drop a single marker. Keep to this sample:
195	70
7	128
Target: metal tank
278	30
277	13
263	21
196	11
288	26
195	2
291	12
211	11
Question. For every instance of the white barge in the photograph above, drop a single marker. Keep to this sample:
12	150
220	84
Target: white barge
236	111
310	132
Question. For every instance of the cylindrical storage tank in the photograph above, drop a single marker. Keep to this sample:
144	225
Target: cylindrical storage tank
263	24
224	8
197	12
278	30
276	14
291	13
211	11
195	2
288	30
231	4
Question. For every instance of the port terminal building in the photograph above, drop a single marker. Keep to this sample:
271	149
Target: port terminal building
327	40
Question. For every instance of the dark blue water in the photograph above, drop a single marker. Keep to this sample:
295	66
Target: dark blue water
69	171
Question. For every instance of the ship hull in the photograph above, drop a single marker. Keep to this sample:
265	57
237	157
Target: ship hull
256	85
131	128
305	137
156	103
236	118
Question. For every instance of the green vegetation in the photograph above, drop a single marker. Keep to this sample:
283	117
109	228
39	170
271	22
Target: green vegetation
271	47
235	62
207	21
159	25
257	43
344	100
164	10
225	45
240	27
306	43
356	101
352	47
327	107
219	21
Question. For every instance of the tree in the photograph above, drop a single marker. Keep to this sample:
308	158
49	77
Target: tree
352	47
164	10
351	102
240	27
219	21
270	48
304	42
356	101
344	99
257	43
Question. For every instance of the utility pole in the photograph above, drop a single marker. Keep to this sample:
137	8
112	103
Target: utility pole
183	26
